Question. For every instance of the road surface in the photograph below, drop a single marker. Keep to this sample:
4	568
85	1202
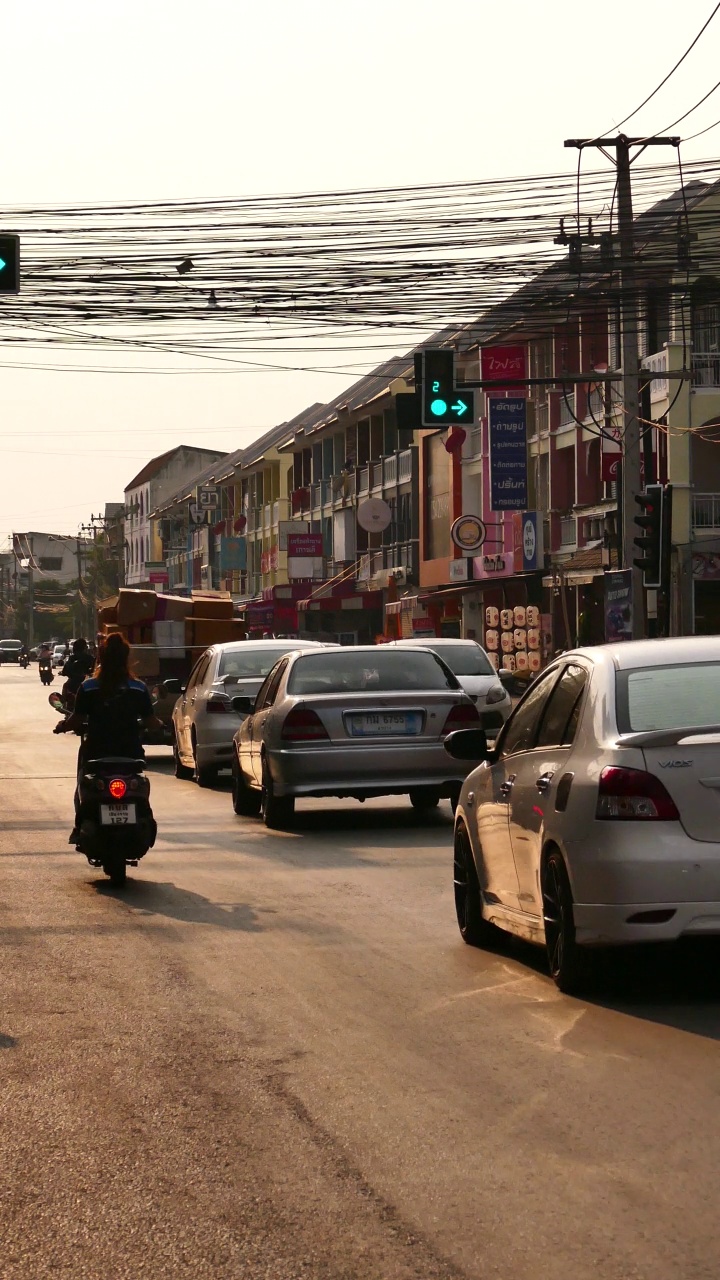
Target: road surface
272	1056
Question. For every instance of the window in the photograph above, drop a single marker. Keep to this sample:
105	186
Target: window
51	564
519	733
247	663
464	659
677	697
268	692
197	675
382	671
562	711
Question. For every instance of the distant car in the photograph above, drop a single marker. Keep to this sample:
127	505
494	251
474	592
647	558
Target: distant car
10	650
355	722
470	663
595	819
203	718
59	656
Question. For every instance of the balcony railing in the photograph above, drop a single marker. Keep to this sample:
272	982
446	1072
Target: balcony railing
706	369
568	531
389	470
542	418
706	511
405	466
596	405
363	481
567	409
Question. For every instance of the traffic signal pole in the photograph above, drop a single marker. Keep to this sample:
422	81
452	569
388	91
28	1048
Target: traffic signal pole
631	439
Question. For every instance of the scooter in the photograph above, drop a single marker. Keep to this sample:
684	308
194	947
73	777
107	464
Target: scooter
46	672
24	661
115	822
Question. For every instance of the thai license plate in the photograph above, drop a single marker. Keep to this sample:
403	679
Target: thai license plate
117	815
375	724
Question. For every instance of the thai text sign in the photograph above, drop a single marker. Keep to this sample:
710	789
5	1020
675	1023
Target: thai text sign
508	455
304	544
497	363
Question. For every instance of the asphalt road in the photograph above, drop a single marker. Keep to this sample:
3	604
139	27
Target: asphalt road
272	1056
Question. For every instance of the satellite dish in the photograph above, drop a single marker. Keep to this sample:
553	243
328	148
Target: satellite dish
374	515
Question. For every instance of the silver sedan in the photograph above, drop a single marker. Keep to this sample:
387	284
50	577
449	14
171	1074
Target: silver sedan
357	722
204	718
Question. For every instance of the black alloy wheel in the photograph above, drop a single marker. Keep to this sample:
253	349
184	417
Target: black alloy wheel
424	798
277	811
569	964
474	929
246	801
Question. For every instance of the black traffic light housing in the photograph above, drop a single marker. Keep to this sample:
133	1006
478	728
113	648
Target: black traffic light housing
9	263
650	540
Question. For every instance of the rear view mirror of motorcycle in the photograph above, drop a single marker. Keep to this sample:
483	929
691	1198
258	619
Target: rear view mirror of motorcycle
57	703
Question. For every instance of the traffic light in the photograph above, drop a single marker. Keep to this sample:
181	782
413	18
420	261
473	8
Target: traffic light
649	522
9	264
442	403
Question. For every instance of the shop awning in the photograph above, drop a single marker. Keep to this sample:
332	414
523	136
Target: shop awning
405	604
581	569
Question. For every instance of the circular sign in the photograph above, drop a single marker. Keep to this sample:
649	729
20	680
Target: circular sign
468	533
529	540
374	515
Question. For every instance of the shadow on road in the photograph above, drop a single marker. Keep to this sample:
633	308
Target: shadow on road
166	899
7	1042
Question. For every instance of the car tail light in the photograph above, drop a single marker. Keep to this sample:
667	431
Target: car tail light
634	795
462	716
117	788
302	724
217	707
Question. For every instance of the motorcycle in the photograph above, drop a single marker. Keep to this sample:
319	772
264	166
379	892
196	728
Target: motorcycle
46	672
24	661
115	822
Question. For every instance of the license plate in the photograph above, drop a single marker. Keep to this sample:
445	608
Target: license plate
117	815
385	723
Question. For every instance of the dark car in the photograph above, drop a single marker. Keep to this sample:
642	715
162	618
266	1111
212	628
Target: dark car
10	650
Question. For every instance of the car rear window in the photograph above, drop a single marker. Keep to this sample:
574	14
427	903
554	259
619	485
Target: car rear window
386	671
10	644
465	659
250	664
670	697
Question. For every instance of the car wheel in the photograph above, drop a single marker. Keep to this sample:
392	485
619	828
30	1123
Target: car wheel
205	775
569	964
246	801
277	811
181	770
474	929
423	798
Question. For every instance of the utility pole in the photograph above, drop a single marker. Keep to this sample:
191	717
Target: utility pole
31	599
631	428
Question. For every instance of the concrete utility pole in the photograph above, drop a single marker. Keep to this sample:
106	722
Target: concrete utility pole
630	480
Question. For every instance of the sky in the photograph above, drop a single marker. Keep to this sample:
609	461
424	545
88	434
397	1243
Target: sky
170	99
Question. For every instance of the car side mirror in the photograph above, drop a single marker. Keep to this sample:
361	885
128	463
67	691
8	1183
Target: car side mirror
172	686
243	705
467	744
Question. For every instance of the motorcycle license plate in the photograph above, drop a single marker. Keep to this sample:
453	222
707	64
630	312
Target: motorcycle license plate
117	815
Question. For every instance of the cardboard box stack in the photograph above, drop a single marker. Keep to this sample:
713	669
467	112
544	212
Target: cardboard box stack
161	627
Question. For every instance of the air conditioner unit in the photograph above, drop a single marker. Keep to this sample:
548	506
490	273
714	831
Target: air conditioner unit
399	576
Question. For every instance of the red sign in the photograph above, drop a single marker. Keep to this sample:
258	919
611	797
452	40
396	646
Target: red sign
499	363
156	575
306	545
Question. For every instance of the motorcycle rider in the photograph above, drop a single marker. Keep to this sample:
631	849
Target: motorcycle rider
45	663
75	670
111	710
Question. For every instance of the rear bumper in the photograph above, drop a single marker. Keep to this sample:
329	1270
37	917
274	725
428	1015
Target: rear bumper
364	770
215	745
603	924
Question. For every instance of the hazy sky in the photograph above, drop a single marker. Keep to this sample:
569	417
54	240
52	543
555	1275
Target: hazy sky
118	99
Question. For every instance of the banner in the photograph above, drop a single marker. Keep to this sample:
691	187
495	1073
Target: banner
233	555
508	455
618	605
503	362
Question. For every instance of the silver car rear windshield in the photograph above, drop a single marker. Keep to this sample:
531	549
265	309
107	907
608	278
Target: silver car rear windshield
670	697
249	664
386	671
465	659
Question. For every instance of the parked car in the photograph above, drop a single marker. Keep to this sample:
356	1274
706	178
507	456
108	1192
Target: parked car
59	655
595	819
204	718
10	650
470	663
356	722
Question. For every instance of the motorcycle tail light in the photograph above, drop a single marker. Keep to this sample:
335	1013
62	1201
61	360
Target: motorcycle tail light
117	788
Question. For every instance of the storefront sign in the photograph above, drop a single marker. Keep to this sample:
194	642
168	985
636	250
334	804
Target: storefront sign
233	555
618	605
705	566
460	570
304	544
503	362
468	533
532	552
508	455
493	566
423	627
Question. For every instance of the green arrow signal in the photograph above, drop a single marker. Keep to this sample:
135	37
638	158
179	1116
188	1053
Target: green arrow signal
3	264
460	408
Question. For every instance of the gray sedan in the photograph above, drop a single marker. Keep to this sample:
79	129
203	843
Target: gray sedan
357	722
204	718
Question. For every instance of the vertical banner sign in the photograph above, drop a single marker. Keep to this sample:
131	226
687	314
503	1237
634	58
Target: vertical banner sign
618	606
508	455
611	454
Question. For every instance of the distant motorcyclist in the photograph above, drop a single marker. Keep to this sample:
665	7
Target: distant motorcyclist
111	710
45	664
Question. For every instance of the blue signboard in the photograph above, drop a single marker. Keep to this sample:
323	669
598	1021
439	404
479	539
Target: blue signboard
233	555
508	455
531	548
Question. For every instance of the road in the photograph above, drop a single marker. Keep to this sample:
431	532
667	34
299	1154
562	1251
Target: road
272	1056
